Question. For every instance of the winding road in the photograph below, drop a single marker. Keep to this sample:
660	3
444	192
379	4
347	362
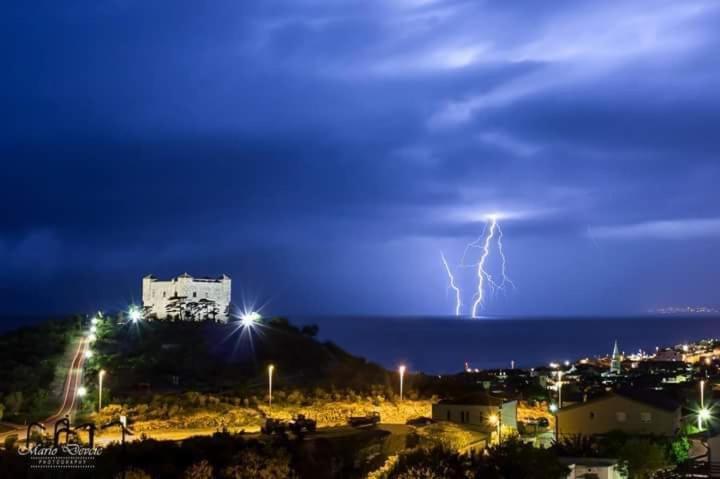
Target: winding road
70	394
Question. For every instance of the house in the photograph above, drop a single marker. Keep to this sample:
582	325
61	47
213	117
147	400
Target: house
633	413
481	411
593	468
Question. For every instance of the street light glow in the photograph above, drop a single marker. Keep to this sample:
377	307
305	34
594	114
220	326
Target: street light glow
401	370
81	391
92	337
493	419
553	408
135	314
88	354
249	318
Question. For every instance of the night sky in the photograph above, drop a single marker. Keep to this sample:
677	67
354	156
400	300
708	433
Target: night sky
323	152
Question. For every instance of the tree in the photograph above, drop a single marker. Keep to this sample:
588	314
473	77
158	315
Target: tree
679	450
13	402
513	458
643	458
268	464
310	330
200	470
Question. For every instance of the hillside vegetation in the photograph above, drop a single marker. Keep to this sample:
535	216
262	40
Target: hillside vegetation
230	361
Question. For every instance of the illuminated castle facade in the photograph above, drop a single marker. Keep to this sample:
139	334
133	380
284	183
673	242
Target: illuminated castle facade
186	298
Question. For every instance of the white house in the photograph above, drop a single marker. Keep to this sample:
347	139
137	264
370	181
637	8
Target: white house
480	411
593	468
187	298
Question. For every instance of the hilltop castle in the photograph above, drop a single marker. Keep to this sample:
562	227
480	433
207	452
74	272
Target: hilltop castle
187	298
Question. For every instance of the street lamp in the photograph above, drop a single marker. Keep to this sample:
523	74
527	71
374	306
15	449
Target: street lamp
135	314
271	368
101	374
494	420
401	370
559	387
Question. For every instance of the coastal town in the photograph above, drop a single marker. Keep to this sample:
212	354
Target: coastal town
622	415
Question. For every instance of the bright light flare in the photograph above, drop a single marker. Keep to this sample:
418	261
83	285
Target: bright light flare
135	314
88	354
82	391
553	408
249	318
92	338
493	419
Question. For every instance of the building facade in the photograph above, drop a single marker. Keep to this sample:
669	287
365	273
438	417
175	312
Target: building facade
479	410
187	298
616	412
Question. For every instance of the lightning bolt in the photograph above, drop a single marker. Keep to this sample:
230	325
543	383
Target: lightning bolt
481	273
485	280
451	278
503	261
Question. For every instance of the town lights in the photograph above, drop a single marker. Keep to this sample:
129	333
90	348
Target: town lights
401	371
553	408
271	369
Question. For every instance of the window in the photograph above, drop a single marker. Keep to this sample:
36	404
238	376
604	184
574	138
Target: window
646	417
163	294
592	415
448	415
621	416
194	294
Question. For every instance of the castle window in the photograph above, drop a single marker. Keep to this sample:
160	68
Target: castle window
646	417
194	294
621	416
163	294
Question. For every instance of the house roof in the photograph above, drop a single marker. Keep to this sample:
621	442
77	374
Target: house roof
650	399
475	399
588	461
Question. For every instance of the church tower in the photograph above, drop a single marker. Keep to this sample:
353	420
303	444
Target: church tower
616	360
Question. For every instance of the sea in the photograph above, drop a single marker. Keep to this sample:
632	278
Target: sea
441	345
444	345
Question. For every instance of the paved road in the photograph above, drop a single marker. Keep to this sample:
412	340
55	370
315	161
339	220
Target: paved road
70	398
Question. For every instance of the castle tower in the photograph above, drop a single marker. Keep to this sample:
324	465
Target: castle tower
616	360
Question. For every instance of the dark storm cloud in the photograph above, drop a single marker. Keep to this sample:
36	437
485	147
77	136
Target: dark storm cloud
321	149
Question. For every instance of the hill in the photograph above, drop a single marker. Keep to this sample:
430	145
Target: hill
163	356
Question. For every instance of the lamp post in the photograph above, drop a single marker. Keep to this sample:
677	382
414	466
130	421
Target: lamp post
702	404
401	370
271	368
101	374
559	389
